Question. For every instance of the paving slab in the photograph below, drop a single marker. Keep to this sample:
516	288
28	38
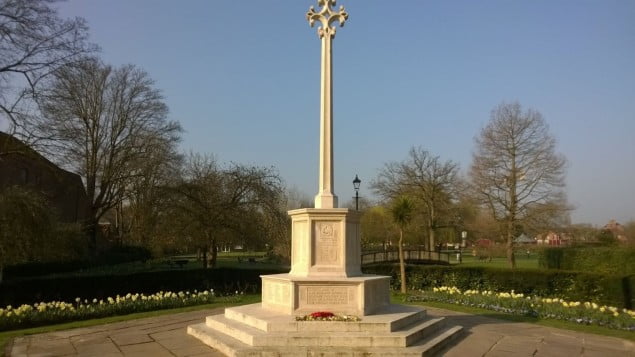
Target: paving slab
167	336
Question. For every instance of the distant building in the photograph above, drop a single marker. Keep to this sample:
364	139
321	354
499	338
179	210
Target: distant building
554	239
616	229
22	166
523	239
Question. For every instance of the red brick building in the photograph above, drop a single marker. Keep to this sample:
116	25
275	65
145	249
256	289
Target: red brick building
22	166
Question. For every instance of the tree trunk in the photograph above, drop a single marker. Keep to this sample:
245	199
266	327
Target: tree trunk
431	238
511	258
214	253
92	229
204	251
402	263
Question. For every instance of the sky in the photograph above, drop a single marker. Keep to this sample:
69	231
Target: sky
243	79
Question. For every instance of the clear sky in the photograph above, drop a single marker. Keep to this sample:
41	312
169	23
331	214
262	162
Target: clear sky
242	77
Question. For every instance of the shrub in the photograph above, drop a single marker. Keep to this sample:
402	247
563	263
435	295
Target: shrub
115	255
608	260
615	290
222	280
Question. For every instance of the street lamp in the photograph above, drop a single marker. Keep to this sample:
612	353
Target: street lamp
356	183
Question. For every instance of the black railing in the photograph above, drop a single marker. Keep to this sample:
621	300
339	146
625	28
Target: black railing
410	255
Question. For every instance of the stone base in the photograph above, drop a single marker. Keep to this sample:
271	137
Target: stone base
396	330
293	295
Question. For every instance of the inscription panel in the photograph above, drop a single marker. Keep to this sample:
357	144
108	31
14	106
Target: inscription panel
323	295
277	293
327	243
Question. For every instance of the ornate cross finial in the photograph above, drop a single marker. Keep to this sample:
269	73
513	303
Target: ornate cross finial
327	17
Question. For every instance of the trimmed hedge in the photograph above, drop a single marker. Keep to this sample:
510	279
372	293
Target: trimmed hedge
614	290
222	280
115	255
608	260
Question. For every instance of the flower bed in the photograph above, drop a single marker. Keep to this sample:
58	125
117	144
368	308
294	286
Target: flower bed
588	313
45	313
327	316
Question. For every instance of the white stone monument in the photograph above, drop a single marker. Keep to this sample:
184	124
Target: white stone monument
325	272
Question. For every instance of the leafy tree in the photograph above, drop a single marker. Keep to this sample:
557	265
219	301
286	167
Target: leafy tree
34	42
376	226
402	210
430	182
516	172
104	123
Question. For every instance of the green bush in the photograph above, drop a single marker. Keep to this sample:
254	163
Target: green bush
614	290
114	255
222	280
607	260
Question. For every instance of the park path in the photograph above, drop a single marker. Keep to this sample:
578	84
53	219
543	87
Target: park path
166	336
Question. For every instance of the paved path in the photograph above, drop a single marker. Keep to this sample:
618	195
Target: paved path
166	336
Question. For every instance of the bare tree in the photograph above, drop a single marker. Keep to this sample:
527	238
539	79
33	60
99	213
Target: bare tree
431	182
104	123
211	202
515	171
141	217
34	41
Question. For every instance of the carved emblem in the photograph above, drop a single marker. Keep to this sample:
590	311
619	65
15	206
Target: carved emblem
327	230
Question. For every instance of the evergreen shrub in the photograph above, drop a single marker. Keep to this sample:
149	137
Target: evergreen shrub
606	289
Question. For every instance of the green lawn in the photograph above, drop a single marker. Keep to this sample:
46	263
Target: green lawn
498	262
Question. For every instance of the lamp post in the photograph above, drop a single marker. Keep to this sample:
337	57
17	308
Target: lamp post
356	183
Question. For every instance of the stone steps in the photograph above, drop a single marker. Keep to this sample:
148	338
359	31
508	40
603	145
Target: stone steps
317	337
253	331
394	317
234	348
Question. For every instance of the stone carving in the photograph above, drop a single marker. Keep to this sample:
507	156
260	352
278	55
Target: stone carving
327	244
327	16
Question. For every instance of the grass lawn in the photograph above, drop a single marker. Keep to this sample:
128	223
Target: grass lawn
521	262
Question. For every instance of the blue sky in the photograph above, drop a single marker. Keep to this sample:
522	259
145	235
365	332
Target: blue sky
242	77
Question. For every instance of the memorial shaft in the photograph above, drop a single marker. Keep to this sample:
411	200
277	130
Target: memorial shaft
326	16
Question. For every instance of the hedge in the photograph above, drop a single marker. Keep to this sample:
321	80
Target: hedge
608	260
115	255
609	289
67	288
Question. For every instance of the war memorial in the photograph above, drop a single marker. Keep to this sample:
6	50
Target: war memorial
325	273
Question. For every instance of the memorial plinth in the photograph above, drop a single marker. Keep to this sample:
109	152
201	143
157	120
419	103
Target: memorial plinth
325	268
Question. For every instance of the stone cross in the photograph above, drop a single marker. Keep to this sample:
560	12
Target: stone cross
326	16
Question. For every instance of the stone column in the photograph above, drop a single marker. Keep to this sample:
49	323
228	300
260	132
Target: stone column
326	197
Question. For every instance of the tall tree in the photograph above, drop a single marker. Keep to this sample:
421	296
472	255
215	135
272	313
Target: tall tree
516	171
211	202
104	123
431	182
402	215
34	41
